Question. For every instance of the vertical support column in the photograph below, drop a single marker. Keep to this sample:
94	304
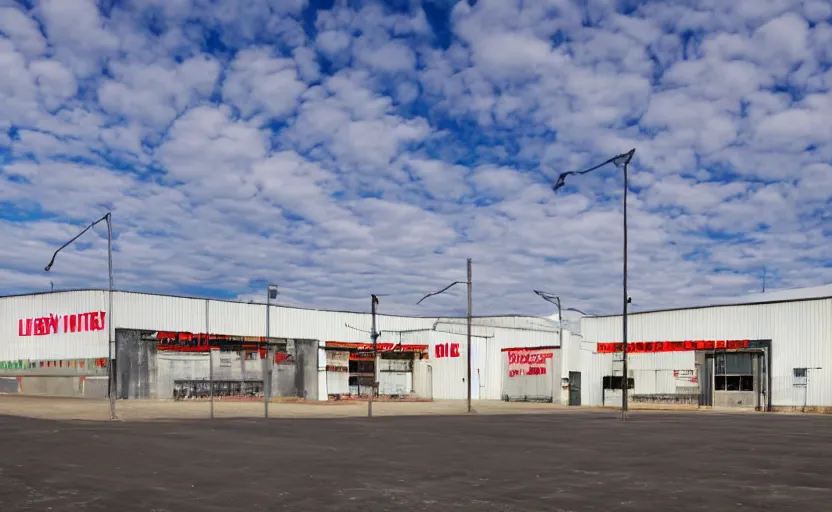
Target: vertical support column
210	357
469	330
266	361
111	349
625	380
374	336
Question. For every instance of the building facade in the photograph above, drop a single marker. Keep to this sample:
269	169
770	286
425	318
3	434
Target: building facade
769	356
166	347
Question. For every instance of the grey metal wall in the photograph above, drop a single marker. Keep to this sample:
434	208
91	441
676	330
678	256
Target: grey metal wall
144	372
135	365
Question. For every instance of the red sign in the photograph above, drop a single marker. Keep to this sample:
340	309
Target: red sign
381	347
642	347
53	324
527	362
446	350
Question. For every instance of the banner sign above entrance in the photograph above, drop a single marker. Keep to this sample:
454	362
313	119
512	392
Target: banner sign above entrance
380	346
643	347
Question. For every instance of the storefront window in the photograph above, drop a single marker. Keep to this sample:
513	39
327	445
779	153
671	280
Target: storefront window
734	371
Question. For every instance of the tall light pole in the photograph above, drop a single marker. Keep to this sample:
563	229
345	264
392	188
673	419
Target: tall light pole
108	218
373	336
271	293
469	283
554	299
622	160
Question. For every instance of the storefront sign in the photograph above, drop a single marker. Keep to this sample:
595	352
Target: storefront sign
527	362
672	346
446	350
686	378
53	324
380	346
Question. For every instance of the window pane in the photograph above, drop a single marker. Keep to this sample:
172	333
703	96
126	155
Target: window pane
747	383
738	363
719	383
732	383
719	364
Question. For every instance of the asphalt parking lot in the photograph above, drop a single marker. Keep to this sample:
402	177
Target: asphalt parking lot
565	461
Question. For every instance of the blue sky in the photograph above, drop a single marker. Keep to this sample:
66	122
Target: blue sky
343	148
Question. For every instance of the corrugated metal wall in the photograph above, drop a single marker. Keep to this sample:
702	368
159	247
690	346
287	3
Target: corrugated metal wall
800	331
164	313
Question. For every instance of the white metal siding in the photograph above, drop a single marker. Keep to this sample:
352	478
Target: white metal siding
60	345
164	313
801	334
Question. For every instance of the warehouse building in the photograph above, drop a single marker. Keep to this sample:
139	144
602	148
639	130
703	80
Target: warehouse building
767	355
170	347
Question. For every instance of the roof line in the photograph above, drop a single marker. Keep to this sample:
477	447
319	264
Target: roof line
781	301
232	301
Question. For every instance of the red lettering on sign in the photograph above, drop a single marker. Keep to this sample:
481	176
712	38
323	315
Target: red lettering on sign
523	362
672	346
446	350
78	322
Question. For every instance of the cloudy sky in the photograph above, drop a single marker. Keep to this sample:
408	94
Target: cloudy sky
353	147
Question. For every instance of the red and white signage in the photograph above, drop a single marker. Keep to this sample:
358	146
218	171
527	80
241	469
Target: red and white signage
672	346
442	350
522	362
380	346
54	324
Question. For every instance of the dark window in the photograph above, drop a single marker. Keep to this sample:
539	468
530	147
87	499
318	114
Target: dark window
799	377
614	382
734	371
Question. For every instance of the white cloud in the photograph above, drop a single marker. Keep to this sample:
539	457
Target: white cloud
155	94
22	31
77	31
55	83
259	83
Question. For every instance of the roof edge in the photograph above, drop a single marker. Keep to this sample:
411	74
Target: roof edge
232	301
754	303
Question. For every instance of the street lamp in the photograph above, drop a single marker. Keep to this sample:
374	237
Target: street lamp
468	316
576	310
108	218
554	299
271	293
374	334
621	160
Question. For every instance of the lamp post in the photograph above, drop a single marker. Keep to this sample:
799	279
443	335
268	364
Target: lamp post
271	293
554	299
108	218
622	160
469	283
373	336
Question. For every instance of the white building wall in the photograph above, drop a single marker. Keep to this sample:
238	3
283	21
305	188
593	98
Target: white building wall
800	331
62	344
164	313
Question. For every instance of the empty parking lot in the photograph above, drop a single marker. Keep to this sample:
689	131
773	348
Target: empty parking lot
568	460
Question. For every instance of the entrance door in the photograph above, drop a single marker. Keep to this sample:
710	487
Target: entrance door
574	388
706	381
